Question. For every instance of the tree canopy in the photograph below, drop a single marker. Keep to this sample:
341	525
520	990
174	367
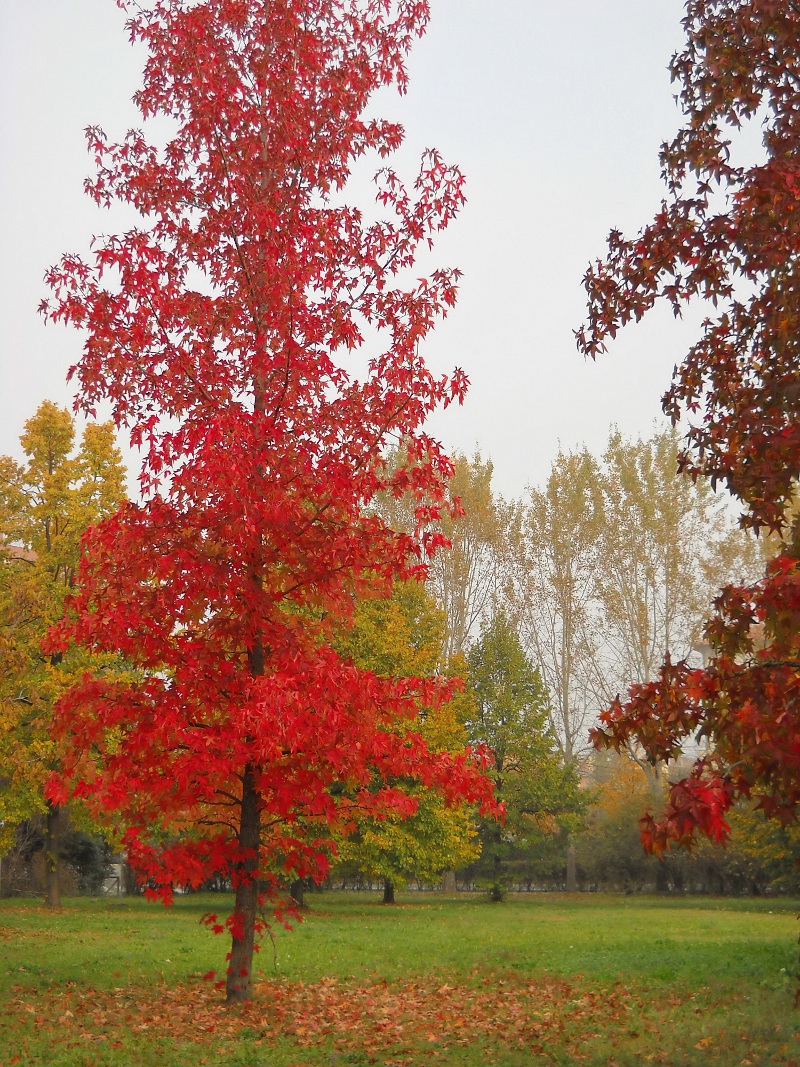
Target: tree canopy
727	233
263	342
47	503
538	789
404	636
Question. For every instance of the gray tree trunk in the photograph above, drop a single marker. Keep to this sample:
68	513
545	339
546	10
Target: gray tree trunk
449	882
52	863
572	873
239	985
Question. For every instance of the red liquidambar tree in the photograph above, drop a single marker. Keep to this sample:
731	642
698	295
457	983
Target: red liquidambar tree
228	333
729	233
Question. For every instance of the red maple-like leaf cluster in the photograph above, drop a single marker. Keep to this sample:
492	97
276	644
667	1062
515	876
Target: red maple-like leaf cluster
261	340
729	233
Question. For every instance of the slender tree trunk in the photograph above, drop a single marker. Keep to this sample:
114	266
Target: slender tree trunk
496	889
52	844
239	984
572	873
662	882
388	891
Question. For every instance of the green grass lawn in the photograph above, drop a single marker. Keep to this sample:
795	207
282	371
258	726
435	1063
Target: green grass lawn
541	979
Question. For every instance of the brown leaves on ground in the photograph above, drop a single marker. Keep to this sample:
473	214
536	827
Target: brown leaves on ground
398	1024
390	1021
384	1016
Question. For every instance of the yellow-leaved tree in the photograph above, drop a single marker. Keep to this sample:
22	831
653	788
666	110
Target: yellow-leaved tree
46	504
403	636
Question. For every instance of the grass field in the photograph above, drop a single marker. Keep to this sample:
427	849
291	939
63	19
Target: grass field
541	979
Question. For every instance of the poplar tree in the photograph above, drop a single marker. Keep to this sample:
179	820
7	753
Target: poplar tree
47	504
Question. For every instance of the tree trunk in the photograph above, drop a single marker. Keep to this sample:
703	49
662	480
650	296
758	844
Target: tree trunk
297	891
662	880
449	882
572	873
496	887
388	891
239	985
52	844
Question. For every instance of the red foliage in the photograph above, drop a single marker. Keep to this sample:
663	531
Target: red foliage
225	331
729	233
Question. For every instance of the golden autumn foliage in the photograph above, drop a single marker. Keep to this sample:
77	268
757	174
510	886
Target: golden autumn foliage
46	504
403	636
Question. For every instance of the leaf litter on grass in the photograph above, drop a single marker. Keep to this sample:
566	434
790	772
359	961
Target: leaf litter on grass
556	1020
380	1019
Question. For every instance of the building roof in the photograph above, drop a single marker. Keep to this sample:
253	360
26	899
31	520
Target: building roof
18	552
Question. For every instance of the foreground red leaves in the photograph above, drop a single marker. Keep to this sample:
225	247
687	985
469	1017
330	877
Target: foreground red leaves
727	236
386	1023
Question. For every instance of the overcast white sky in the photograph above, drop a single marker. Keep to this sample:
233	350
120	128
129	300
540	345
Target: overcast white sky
555	112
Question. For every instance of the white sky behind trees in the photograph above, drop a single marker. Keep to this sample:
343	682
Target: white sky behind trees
555	113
